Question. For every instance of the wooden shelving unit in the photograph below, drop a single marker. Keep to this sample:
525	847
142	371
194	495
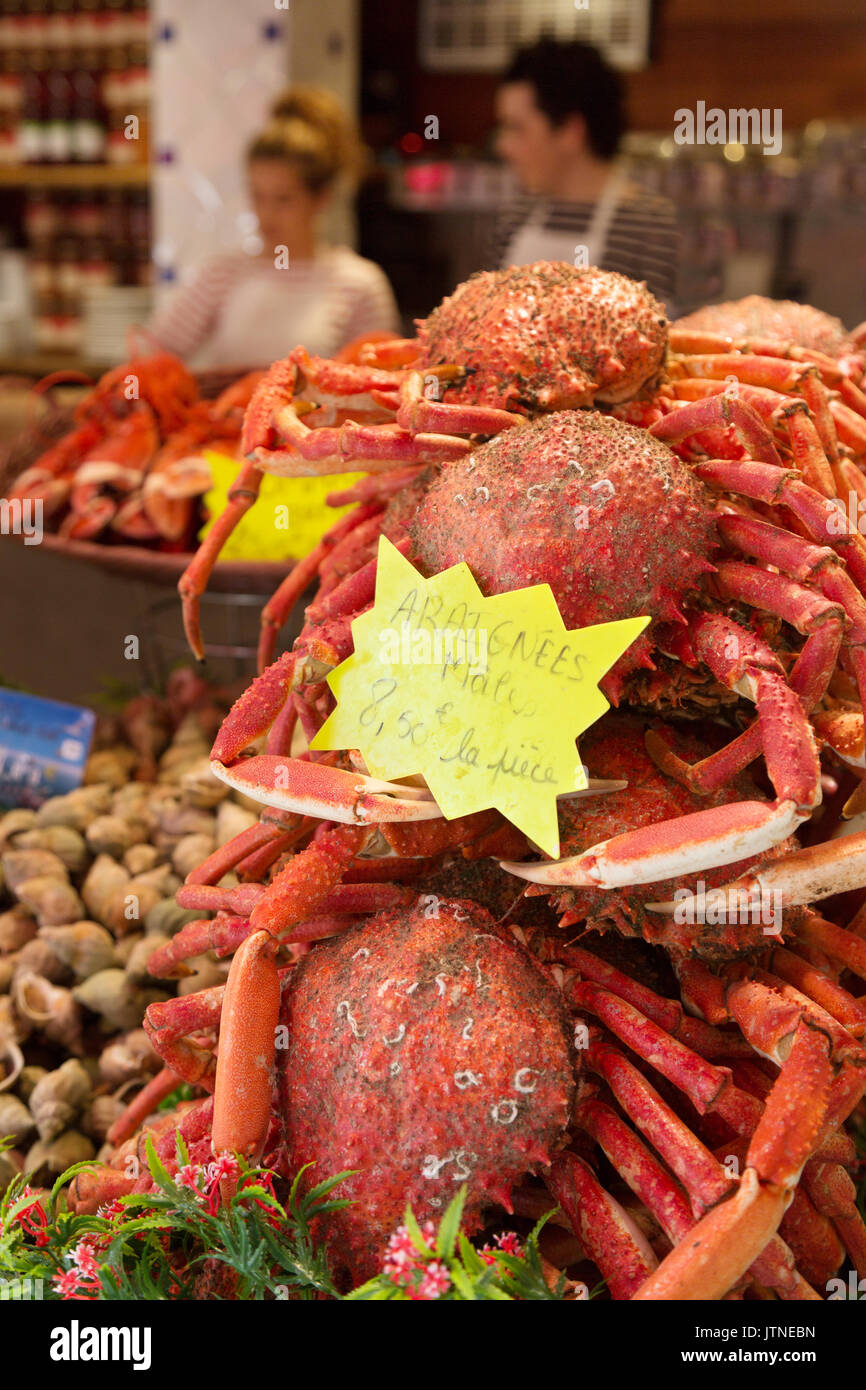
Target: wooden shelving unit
74	175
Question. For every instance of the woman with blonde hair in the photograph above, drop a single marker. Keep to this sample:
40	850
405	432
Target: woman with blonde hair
248	310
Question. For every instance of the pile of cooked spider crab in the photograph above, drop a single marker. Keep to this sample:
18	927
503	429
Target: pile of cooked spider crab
131	468
624	1033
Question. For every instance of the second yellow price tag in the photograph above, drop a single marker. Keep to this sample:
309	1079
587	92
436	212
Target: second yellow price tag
289	519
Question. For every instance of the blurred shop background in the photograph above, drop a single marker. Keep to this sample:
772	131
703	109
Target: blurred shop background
96	225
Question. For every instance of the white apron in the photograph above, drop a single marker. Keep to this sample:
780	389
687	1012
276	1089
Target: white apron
533	242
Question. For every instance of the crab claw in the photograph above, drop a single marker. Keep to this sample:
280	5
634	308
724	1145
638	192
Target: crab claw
671	849
819	871
331	793
259	706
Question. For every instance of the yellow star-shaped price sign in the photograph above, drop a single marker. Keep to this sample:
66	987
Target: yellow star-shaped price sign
483	697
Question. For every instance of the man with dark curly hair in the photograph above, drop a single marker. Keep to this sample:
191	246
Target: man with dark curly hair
560	115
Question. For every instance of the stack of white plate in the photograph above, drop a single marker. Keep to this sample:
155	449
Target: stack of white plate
109	313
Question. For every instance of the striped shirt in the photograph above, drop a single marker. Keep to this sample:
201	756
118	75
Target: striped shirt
243	311
641	239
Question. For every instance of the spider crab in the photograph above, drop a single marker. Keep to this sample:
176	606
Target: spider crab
806	333
564	500
431	1046
133	463
781	357
506	345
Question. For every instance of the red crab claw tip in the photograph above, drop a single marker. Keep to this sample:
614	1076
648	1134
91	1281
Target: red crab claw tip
574	873
331	793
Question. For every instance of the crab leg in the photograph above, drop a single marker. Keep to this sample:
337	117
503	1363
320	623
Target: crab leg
607	1233
147	1100
261	703
850	426
670	849
351	447
221	935
250	1013
259	836
283	600
844	946
808	563
727	1240
376	487
724	834
168	1025
665	1198
638	1166
819	871
331	793
418	412
193	581
719	411
820	619
821	518
704	343
669	1014
289	915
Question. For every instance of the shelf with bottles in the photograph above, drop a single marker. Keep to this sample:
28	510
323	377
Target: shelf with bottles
84	176
78	240
74	83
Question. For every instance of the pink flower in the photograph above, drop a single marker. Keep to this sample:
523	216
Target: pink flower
84	1260
266	1181
507	1242
67	1284
189	1175
111	1211
32	1218
435	1281
413	1269
226	1166
82	1280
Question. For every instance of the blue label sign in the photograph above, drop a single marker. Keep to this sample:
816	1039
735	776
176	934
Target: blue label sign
43	747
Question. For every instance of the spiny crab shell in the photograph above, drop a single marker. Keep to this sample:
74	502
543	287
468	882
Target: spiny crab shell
781	319
615	747
609	517
548	336
426	1049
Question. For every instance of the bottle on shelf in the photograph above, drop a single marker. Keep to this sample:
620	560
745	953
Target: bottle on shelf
88	120
34	108
60	104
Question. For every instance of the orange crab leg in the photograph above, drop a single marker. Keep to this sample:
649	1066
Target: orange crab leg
724	834
733	1234
609	1236
719	411
280	604
147	1100
418	412
193	581
250	1013
819	871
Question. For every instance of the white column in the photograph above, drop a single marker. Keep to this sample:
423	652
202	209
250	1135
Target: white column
216	67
